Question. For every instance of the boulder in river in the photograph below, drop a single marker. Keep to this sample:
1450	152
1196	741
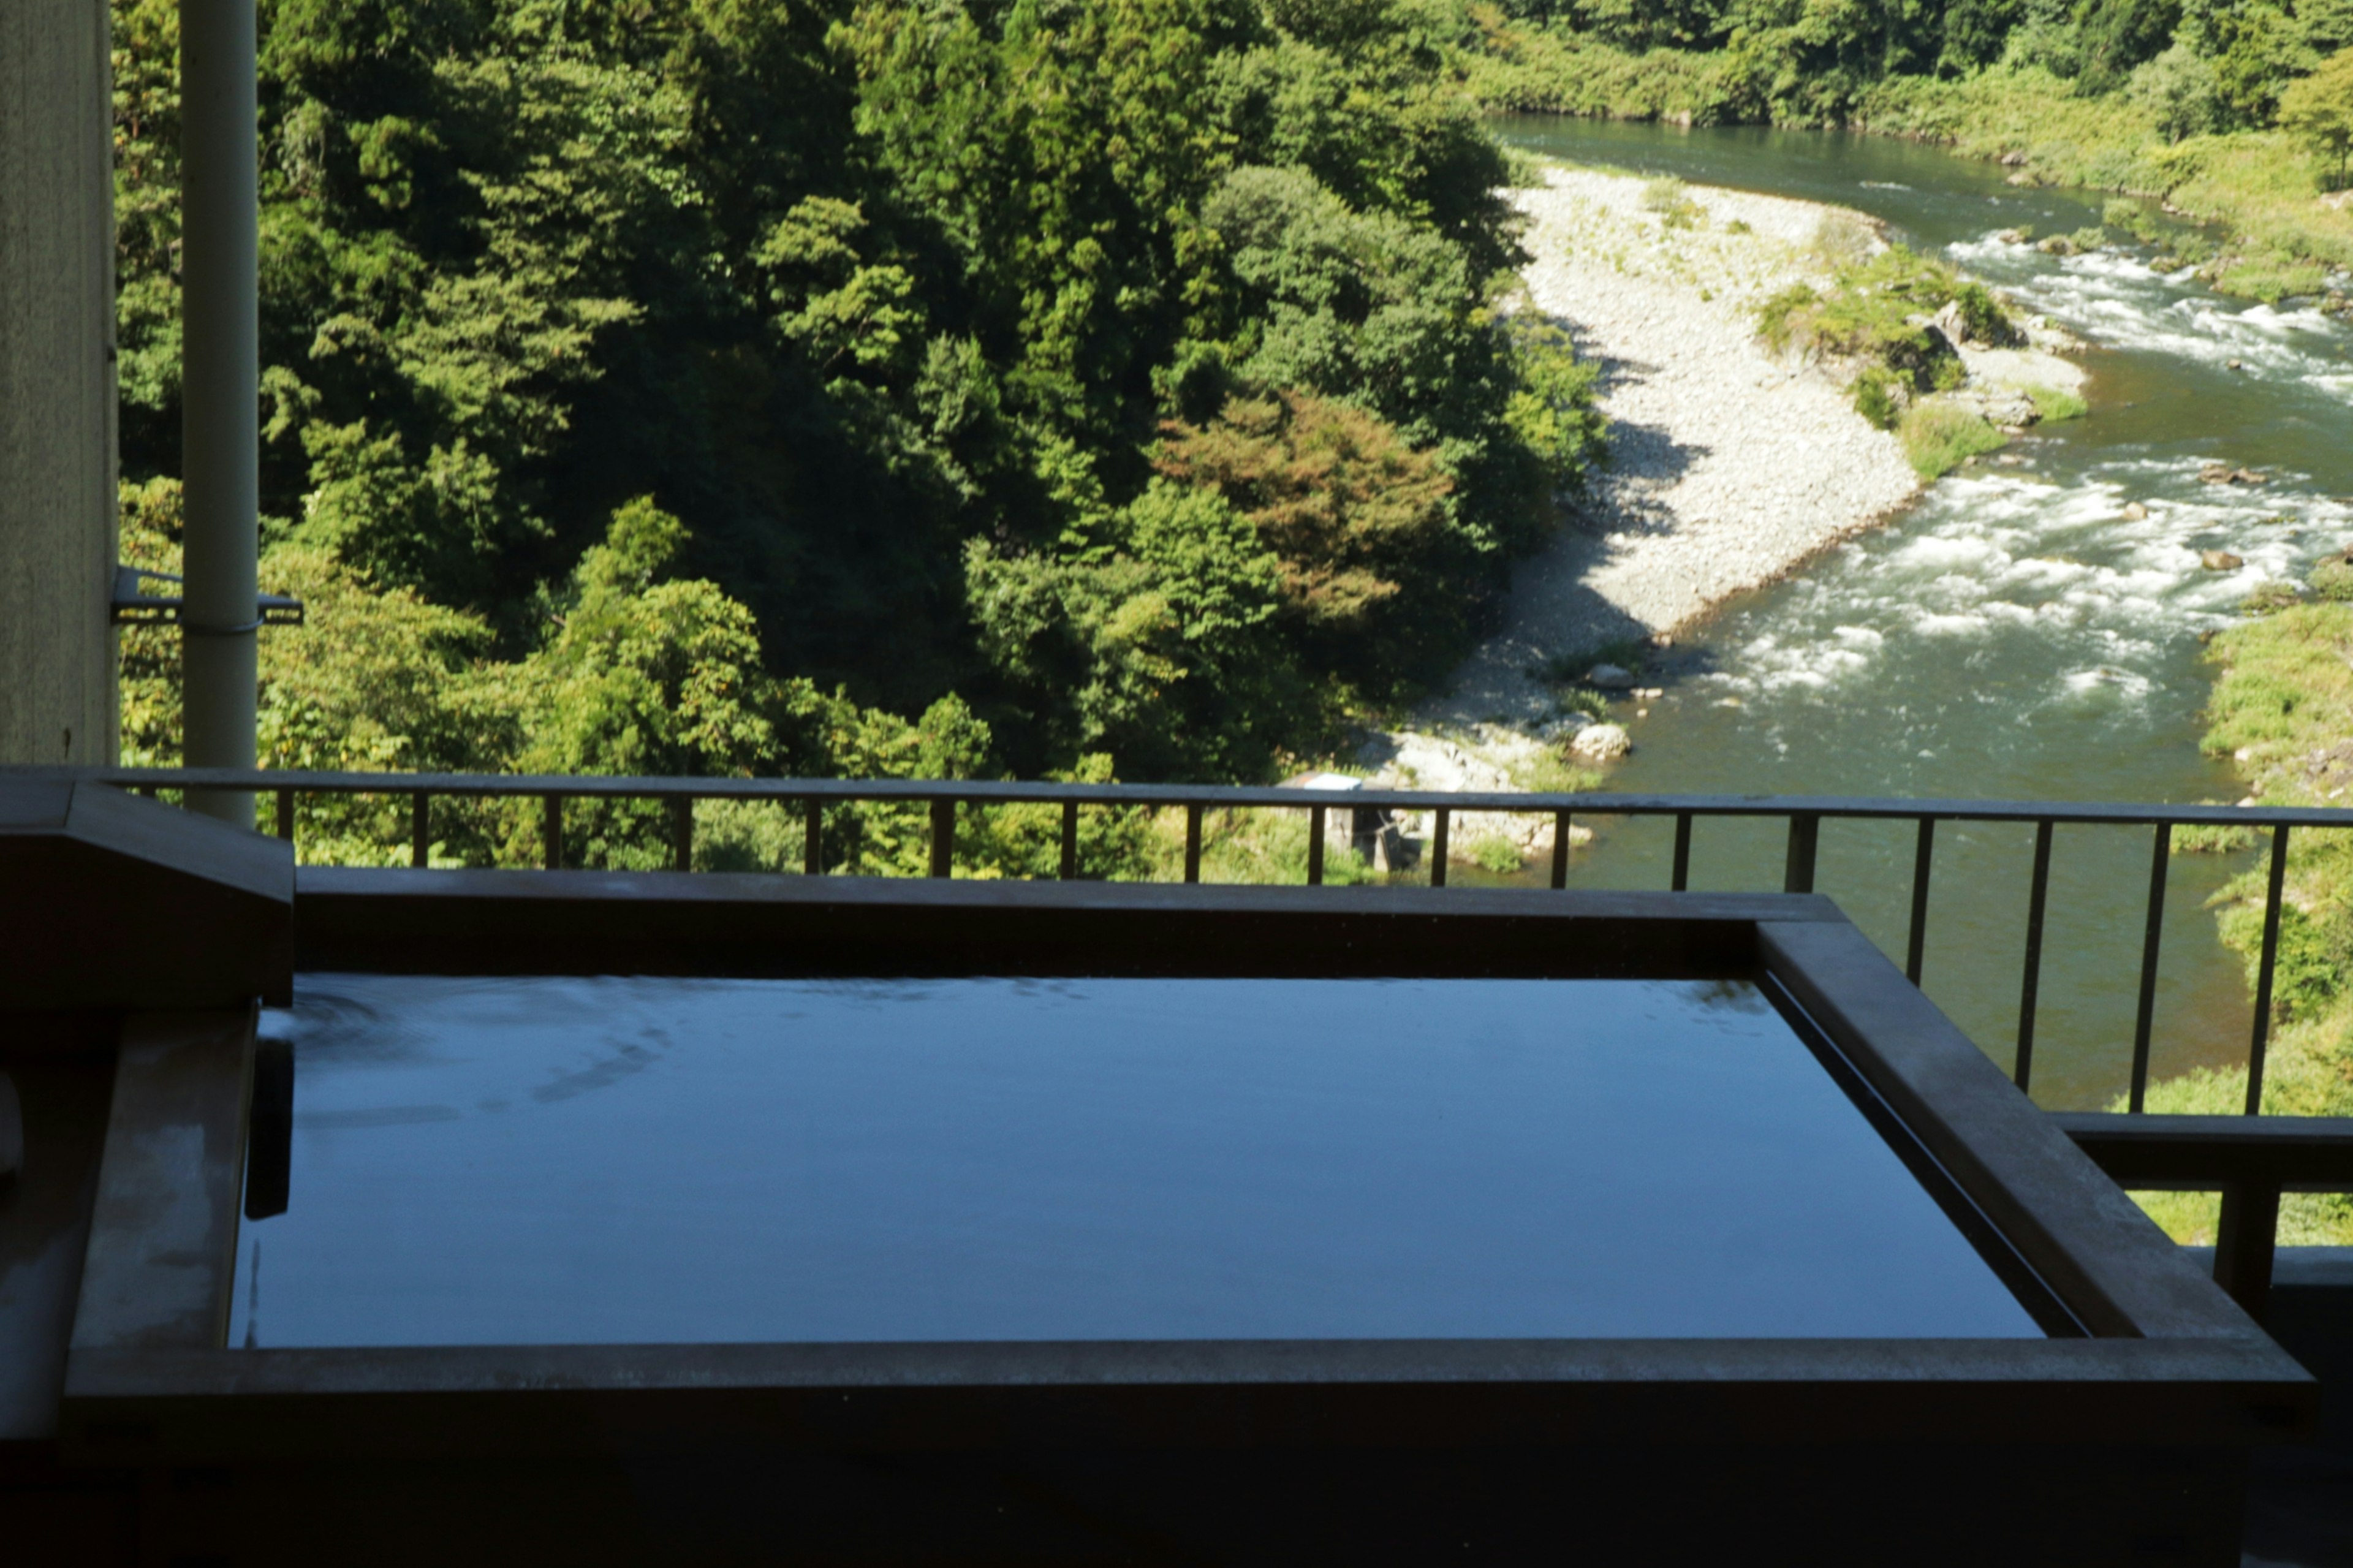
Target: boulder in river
2224	474
2220	561
1609	678
2135	511
1602	742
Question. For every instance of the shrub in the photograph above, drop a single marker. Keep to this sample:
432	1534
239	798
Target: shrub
1983	317
1878	397
1938	437
2131	217
2333	579
1671	200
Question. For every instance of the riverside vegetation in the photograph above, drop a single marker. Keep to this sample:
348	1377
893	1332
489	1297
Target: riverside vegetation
2284	709
2236	112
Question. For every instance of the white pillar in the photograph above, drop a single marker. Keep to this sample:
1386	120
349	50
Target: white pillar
220	392
56	383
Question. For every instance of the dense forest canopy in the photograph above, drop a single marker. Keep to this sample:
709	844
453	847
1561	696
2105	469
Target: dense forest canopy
691	386
2203	65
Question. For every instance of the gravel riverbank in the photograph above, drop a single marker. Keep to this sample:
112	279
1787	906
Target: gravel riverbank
1729	468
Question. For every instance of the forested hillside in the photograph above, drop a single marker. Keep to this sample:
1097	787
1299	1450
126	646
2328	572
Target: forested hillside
761	385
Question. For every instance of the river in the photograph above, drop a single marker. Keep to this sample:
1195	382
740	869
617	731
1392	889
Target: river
2012	635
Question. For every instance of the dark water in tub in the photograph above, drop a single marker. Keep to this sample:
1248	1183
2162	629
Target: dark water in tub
567	1161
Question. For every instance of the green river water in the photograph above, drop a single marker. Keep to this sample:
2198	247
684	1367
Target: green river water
2012	634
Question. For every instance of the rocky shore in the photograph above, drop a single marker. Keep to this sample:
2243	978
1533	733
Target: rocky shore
1729	466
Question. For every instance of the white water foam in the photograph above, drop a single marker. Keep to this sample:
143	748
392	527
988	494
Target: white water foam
2116	299
2100	596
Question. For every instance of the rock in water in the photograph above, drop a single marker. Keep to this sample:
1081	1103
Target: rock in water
1609	678
2135	511
1602	742
2220	561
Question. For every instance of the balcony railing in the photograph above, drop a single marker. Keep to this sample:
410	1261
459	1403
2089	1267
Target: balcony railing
1803	815
2251	1163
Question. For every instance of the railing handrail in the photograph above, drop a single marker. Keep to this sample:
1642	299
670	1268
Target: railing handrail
996	792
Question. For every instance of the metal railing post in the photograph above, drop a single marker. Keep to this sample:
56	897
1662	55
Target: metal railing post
813	838
2145	1018
1805	835
1192	841
552	830
1437	847
2267	969
1315	845
1681	881
1070	870
943	837
1560	849
421	834
2245	1239
2031	980
681	832
1916	941
285	814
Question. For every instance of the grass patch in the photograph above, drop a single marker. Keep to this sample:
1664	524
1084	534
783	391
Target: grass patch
1551	773
1254	846
2054	405
1864	321
2268	598
2285	698
1939	438
2211	838
1671	199
1495	854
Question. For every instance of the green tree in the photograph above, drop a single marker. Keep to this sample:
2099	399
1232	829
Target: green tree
2318	110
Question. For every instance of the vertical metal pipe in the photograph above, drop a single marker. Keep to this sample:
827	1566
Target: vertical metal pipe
1560	849
1683	852
420	839
1315	820
2148	944
1070	840
813	839
2031	980
1805	837
551	831
944	837
681	832
1924	858
2273	893
1437	847
285	814
1193	842
220	393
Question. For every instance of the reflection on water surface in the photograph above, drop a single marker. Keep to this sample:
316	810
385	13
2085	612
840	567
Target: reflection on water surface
559	1160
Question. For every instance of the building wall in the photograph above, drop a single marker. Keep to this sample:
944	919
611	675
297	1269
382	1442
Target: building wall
56	383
